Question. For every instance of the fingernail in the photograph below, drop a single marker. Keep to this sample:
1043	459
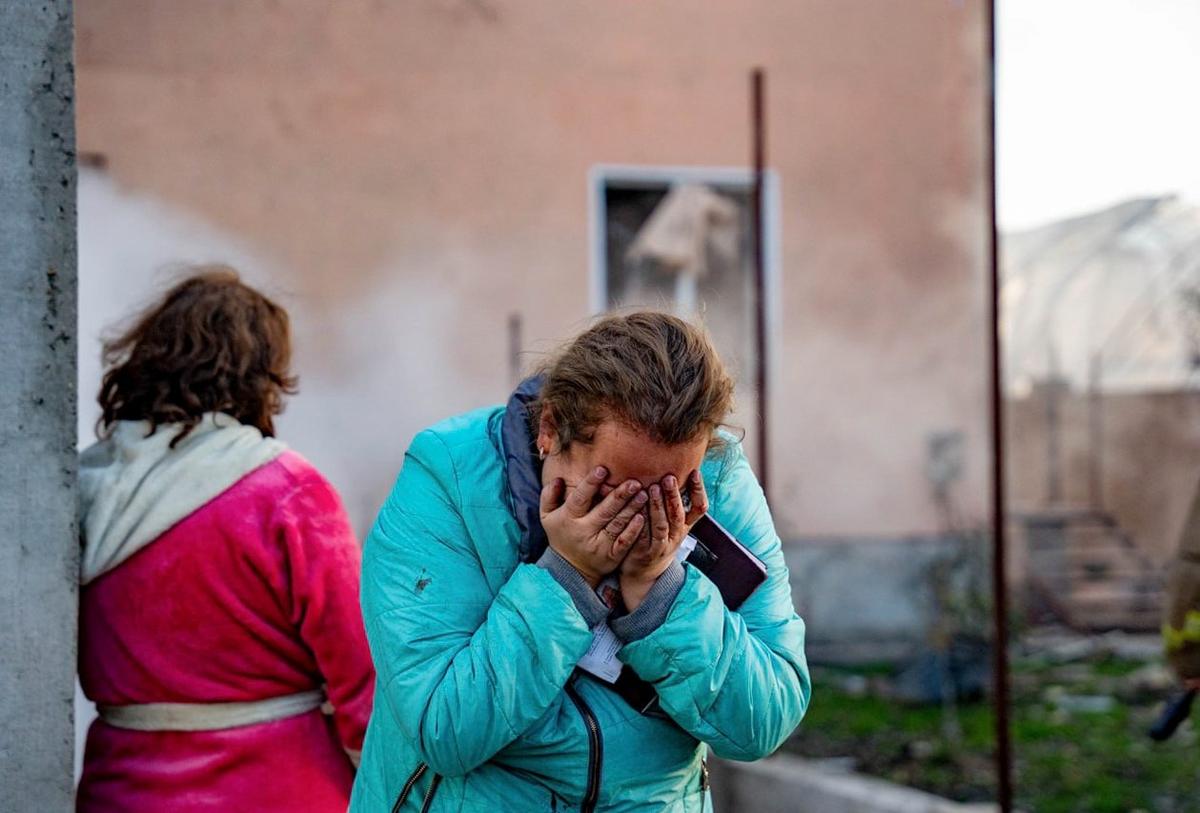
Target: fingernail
633	487
599	472
640	498
670	482
655	492
696	477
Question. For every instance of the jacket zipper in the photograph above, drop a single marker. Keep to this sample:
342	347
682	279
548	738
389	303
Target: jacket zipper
595	751
433	785
408	786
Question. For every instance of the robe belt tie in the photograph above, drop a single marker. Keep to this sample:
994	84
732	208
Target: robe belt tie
209	716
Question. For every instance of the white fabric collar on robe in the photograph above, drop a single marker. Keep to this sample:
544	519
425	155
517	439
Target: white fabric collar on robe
134	488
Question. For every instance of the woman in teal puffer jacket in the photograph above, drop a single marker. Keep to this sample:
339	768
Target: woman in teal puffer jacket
479	594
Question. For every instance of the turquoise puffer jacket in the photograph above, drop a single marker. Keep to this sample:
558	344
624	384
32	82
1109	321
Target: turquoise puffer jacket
478	706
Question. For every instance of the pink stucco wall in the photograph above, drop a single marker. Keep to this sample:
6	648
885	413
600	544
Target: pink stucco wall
377	156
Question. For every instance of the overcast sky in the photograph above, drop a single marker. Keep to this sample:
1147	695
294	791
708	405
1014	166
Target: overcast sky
1098	102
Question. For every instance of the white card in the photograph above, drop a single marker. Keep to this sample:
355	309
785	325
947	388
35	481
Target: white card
601	658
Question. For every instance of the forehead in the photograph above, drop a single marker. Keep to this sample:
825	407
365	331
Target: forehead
630	454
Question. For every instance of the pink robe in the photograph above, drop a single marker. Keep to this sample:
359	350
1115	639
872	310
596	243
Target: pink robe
253	595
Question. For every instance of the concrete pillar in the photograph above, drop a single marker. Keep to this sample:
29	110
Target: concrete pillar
39	548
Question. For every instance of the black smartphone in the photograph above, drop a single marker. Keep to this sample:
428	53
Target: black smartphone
726	562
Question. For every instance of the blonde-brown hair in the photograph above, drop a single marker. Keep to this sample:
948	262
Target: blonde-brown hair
211	344
650	370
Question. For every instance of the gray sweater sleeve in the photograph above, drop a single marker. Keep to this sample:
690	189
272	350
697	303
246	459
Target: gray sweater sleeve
652	612
586	601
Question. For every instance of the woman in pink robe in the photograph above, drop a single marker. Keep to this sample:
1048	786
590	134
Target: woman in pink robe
220	633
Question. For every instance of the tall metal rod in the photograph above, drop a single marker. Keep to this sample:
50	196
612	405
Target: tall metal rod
514	348
1096	433
1004	785
758	126
1053	393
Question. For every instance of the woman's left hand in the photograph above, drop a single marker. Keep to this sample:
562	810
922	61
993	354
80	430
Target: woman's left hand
669	523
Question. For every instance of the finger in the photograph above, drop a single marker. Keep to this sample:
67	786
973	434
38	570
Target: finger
699	497
629	536
631	509
617	500
660	526
580	501
676	513
552	494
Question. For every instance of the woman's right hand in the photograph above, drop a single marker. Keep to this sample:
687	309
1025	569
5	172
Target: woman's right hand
593	540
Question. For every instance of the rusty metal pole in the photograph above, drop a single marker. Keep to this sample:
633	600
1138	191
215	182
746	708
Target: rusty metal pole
1004	786
758	125
1054	391
1096	432
514	348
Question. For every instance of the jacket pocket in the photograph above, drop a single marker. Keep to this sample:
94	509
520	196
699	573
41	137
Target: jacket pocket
411	783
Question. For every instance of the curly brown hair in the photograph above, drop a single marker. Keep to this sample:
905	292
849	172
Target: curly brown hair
212	344
651	370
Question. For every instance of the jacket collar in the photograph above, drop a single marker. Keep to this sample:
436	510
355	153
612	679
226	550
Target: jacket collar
523	470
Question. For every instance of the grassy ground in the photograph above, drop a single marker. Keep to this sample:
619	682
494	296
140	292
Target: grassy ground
1066	761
